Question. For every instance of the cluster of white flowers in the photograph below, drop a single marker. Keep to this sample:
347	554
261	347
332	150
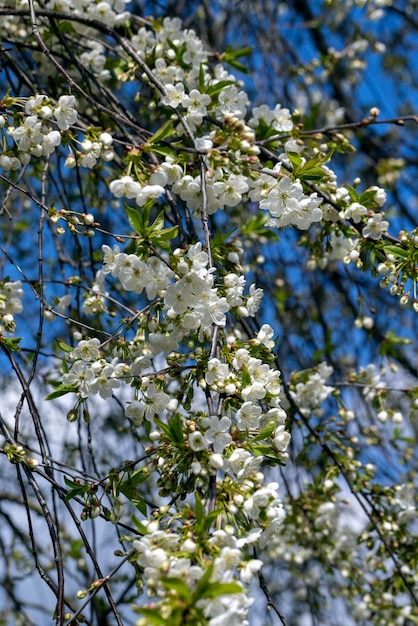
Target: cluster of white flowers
309	395
221	191
256	388
261	382
110	12
91	374
95	300
158	553
375	8
95	58
135	274
371	377
406	500
289	205
92	371
175	553
188	85
342	248
376	226
184	90
189	301
11	293
90	151
128	188
193	296
279	118
194	102
38	135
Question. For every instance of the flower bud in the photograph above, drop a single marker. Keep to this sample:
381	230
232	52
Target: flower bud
32	463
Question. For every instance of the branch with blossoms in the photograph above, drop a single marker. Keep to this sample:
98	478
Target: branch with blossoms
163	323
371	120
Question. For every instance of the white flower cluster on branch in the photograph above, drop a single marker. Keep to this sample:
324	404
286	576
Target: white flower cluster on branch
167	324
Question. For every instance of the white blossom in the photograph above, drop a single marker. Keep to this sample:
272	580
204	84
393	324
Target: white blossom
197	441
289	205
66	113
218	433
174	95
375	227
156	401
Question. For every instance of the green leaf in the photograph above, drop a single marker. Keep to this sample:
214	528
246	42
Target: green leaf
153	616
207	589
66	28
71	483
168	233
11	343
61	391
76	489
372	256
163	245
129	489
367	199
174	430
178	585
315	175
177	428
203	583
353	193
397	251
266	433
62	345
204	522
209	519
158	223
135	499
264	131
268	452
163	132
246	377
260	449
295	160
238	66
138	476
139	526
56	384
220	589
312	170
164	427
135	219
255	225
198	510
231	53
164	151
215	89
